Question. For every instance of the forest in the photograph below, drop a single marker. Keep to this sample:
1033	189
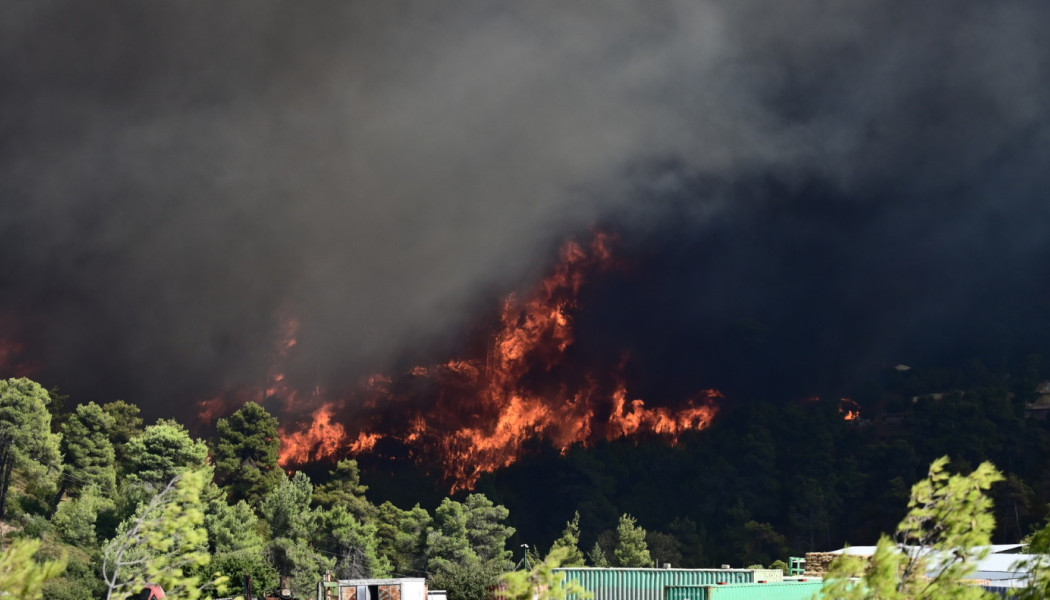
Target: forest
119	500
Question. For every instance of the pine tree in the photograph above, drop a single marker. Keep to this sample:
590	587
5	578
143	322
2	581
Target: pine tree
597	556
356	544
402	537
127	424
90	459
631	549
162	452
27	446
293	526
487	532
570	541
344	488
246	453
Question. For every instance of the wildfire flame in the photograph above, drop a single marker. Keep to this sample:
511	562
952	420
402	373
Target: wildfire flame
486	409
849	409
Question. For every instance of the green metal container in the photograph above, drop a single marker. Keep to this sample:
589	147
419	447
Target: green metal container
649	584
788	590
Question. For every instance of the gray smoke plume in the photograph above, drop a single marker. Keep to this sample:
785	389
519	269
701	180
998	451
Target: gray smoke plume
178	177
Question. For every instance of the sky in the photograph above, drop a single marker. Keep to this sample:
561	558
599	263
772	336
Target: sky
803	193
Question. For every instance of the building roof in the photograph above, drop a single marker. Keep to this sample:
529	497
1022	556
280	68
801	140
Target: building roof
992	550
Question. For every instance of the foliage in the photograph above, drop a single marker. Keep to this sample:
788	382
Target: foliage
27	446
470	533
231	527
294	525
164	542
162	452
21	576
127	424
238	563
487	531
466	582
1038	566
948	517
90	459
631	549
542	583
298	559
246	452
401	537
75	518
570	542
598	557
355	544
81	581
344	487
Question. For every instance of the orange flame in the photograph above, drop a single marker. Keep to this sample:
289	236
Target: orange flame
486	410
322	439
849	409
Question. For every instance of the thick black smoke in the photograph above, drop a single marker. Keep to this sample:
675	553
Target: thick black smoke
805	188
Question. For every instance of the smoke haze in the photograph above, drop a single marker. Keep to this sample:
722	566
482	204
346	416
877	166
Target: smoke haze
800	188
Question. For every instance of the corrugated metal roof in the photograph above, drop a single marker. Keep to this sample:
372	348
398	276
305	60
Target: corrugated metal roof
746	591
649	584
870	550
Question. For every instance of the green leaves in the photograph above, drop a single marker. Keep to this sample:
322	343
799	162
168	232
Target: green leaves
21	576
542	583
948	517
631	549
163	543
246	453
570	543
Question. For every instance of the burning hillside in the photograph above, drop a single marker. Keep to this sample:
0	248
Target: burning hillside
475	415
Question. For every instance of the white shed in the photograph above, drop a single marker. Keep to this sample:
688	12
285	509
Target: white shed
408	588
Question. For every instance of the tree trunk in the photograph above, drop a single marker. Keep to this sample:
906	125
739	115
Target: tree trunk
58	498
5	482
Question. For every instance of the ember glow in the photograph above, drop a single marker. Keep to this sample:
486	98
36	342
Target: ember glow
849	409
481	411
13	361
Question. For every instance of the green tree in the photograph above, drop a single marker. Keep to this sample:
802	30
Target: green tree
447	542
294	524
27	446
466	581
21	575
344	488
127	424
1038	587
402	536
598	557
948	517
570	541
90	459
470	533
246	451
235	543
162	452
542	582
76	518
487	532
631	549
356	545
164	543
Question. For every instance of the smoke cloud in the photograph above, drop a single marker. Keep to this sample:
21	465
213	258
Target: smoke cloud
819	186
